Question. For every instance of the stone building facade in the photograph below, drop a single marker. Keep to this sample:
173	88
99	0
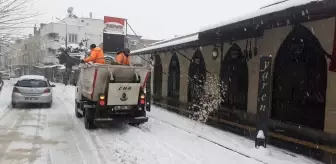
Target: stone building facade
299	37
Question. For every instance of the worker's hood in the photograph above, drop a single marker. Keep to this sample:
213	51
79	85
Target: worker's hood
97	49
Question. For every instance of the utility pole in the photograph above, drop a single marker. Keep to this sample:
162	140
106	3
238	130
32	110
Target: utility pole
67	70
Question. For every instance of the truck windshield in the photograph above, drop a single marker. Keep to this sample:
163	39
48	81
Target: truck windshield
32	83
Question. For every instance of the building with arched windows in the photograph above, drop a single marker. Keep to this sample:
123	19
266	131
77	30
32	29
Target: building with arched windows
222	63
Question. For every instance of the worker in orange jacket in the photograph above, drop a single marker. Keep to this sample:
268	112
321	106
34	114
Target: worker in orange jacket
96	55
123	57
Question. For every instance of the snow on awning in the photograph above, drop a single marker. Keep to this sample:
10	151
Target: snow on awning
49	66
260	12
174	42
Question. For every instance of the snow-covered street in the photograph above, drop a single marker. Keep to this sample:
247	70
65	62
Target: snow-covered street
56	136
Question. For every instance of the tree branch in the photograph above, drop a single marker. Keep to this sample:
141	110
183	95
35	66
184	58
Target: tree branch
14	16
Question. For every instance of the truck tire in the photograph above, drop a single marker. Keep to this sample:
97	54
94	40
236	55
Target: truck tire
13	105
88	120
139	114
78	115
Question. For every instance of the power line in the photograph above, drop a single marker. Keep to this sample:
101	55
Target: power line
136	35
139	42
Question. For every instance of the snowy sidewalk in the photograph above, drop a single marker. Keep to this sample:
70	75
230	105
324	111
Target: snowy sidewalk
240	144
5	97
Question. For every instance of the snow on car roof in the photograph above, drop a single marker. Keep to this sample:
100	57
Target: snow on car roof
263	11
37	77
182	40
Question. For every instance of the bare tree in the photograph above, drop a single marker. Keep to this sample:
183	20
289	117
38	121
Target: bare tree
15	15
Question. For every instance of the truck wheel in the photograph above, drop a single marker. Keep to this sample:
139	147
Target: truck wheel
141	113
78	115
13	105
135	124
88	120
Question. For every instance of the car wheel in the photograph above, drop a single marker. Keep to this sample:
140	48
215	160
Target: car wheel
78	115
48	105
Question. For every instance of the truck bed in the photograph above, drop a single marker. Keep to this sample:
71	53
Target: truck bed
95	78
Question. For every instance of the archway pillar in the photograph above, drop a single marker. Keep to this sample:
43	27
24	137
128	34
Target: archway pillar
165	59
184	71
268	44
324	30
213	66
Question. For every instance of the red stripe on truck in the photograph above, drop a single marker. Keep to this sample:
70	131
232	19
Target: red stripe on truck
94	82
146	78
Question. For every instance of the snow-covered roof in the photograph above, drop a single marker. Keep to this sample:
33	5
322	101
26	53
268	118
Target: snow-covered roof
182	40
177	37
26	77
74	46
260	12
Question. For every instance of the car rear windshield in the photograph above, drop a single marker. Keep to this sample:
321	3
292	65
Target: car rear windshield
32	83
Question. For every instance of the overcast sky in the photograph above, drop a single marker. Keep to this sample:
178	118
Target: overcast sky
154	19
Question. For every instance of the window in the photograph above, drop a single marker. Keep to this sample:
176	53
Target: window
32	83
73	38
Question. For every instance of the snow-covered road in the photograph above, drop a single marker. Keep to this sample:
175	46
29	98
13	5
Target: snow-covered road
56	136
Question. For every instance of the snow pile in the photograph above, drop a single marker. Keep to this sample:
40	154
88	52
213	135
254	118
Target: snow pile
73	48
260	135
38	77
209	100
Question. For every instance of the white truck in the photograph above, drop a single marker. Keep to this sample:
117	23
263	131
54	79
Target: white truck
108	93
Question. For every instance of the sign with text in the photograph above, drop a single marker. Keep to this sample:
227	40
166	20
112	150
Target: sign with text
114	25
264	98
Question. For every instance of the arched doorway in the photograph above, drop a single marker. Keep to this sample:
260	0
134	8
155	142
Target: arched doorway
174	80
234	78
157	81
300	80
196	78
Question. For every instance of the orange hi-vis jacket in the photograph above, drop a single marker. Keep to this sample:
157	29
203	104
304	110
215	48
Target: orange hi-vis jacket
121	58
96	56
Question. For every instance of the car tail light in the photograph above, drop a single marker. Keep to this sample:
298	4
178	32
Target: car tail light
102	100
16	90
47	90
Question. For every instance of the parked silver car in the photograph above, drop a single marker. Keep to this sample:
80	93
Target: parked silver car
5	76
32	89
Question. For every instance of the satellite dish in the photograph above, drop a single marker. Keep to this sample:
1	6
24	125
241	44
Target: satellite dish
70	10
